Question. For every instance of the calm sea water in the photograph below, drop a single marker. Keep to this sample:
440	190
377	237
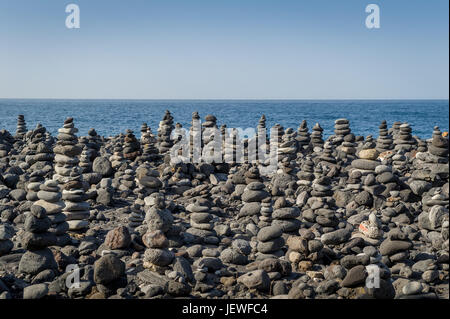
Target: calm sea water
111	117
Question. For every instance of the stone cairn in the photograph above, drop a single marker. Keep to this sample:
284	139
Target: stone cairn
131	147
117	158
403	140
68	174
49	197
159	220
270	242
384	141
202	226
164	133
341	129
316	136
21	127
93	144
439	147
36	240
148	142
303	138
285	216
85	160
209	129
395	129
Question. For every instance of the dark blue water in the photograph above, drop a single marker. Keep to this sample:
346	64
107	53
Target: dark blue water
111	117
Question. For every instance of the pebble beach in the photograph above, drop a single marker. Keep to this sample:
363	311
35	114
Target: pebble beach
115	218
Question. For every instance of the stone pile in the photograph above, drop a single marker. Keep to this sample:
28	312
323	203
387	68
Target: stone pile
131	147
316	136
36	239
303	138
384	141
50	198
164	133
403	140
21	127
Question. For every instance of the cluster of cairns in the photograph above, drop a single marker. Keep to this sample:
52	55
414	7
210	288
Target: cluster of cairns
332	212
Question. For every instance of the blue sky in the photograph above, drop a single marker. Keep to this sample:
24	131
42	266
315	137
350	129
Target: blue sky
192	49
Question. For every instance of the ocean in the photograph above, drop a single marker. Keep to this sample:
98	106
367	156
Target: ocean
111	117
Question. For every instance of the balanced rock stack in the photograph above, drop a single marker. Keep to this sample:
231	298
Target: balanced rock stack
148	142
270	242
404	140
21	127
306	173
195	136
261	133
422	146
131	147
159	221
136	217
400	161
439	146
36	240
164	133
316	136
341	128
395	129
326	157
43	157
50	196
303	138
384	141
93	143
76	209
117	158
285	216
208	132
254	193
348	146
288	147
6	143
202	226
85	160
67	153
6	233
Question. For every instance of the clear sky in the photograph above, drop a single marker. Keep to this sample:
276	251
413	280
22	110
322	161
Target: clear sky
213	49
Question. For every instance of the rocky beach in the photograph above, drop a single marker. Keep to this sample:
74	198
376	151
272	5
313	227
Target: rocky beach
341	217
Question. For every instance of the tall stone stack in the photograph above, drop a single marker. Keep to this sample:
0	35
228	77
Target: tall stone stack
50	198
165	128
367	158
288	146
348	146
93	143
306	174
195	136
66	153
85	160
404	140
316	136
303	138
209	130
21	127
148	142
384	141
131	147
68	175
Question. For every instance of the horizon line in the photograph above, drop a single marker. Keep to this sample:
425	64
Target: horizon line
237	99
